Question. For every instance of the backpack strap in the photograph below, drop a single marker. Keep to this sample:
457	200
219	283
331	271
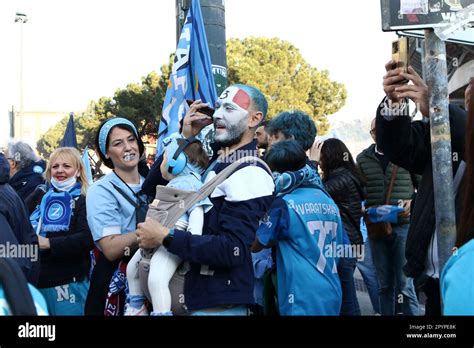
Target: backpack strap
390	186
129	200
16	289
210	186
458	177
413	180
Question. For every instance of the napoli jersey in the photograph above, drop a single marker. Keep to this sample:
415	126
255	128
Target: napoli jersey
307	229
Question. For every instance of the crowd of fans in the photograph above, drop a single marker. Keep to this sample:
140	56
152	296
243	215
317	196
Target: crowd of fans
282	236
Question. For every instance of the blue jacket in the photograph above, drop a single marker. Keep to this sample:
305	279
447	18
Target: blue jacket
15	227
221	263
457	282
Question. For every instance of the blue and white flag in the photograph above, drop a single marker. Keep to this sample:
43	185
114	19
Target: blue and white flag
384	213
87	165
191	76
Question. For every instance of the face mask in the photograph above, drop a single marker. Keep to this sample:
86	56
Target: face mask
65	185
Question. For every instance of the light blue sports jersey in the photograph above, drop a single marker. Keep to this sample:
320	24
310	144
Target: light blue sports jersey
307	229
108	212
457	282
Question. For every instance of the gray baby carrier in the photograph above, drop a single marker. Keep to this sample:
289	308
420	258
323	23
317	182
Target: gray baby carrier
169	205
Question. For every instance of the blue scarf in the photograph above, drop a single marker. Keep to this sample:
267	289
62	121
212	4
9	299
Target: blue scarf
55	210
289	181
384	213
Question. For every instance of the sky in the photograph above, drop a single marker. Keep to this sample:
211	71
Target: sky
78	51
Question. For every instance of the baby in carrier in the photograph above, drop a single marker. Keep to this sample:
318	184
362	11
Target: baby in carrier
183	162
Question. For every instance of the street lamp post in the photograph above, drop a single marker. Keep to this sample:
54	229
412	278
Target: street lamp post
21	18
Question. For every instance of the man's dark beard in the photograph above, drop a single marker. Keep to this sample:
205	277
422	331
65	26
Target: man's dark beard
230	142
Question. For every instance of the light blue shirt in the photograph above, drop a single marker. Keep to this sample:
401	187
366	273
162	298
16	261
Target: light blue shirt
457	282
108	212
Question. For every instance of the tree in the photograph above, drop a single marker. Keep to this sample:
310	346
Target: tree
274	66
139	102
279	70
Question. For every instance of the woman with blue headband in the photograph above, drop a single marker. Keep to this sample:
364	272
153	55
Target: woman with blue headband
115	205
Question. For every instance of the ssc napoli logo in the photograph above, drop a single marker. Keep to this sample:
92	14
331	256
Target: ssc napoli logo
56	211
38	169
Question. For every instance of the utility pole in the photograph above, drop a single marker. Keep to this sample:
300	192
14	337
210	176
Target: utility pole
11	116
22	19
437	81
213	13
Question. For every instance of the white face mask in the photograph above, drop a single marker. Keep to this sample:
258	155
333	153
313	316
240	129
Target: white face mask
64	185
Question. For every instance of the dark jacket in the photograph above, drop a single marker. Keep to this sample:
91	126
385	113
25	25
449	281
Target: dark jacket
408	144
348	193
68	256
27	179
228	233
378	182
15	227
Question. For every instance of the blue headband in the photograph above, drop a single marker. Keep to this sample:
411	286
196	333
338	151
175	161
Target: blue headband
104	131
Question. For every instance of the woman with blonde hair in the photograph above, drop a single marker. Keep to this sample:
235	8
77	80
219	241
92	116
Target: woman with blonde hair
64	238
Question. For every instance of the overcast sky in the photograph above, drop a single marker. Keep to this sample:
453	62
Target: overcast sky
78	51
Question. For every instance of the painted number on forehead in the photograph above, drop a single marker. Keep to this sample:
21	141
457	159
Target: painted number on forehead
224	94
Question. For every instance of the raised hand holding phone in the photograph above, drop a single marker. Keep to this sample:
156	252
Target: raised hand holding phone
196	118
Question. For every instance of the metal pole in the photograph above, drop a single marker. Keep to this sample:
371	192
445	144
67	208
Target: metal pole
182	7
437	80
12	122
22	19
213	13
21	81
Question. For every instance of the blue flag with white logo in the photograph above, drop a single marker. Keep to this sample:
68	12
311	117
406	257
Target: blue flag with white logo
384	213
191	76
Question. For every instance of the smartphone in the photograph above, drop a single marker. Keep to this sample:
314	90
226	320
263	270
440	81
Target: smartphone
400	53
204	110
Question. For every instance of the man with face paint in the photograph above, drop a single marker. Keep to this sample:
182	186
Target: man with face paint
221	279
